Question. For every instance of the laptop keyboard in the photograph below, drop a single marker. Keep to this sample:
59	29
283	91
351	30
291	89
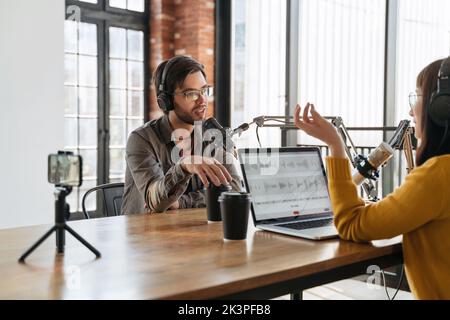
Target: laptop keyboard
308	224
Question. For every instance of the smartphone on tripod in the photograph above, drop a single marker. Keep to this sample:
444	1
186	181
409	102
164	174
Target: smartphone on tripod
65	172
65	169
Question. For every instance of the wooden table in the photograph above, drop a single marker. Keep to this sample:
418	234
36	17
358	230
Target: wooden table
177	256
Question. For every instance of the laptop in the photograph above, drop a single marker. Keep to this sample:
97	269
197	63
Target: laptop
289	191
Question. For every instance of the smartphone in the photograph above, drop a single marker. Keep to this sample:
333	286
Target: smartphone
65	169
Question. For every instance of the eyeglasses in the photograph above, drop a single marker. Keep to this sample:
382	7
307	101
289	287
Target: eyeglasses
194	95
413	99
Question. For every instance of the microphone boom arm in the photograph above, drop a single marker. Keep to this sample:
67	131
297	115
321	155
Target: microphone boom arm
401	140
355	158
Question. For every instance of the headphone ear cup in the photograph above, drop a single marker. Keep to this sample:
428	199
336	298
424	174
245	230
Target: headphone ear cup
439	110
164	102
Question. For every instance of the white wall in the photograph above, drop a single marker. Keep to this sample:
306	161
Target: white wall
31	107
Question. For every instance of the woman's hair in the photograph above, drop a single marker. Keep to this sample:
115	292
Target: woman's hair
432	143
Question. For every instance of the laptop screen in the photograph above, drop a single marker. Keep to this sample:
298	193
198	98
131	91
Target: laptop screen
286	183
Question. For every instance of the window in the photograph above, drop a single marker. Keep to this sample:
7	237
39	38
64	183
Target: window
339	39
341	56
423	36
133	5
341	63
105	87
259	70
81	97
357	59
126	90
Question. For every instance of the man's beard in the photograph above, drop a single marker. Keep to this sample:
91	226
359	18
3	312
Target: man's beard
185	117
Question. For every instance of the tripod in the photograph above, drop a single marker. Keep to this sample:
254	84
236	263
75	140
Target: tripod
61	210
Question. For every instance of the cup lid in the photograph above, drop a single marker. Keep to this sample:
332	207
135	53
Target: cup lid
234	195
221	187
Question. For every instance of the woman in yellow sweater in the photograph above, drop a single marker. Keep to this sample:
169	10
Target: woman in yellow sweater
420	208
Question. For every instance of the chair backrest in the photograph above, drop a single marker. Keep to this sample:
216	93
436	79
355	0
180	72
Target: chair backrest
112	194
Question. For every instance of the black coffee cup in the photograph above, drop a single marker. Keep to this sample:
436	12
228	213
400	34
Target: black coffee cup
212	194
235	208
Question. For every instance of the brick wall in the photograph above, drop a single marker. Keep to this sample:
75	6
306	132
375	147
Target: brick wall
181	27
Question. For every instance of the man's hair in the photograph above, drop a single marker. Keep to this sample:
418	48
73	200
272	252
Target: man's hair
432	134
180	68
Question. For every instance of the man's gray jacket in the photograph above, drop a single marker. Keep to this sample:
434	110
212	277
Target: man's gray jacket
153	182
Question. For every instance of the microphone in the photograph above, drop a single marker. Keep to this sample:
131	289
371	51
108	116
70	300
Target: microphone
212	123
243	127
259	121
227	133
368	168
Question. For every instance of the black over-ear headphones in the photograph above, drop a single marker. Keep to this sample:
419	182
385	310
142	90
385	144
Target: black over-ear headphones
164	98
439	109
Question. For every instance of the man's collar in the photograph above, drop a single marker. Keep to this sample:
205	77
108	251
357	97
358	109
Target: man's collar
166	129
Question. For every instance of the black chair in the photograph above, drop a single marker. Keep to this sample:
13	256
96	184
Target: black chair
112	199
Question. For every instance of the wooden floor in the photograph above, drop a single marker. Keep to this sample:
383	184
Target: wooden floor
350	290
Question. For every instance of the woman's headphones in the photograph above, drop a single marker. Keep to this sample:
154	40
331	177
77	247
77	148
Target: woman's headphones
164	98
439	109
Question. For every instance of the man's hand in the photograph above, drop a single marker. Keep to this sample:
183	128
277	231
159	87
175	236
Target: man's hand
207	169
175	206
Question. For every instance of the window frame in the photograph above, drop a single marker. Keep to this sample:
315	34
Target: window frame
390	69
225	20
104	16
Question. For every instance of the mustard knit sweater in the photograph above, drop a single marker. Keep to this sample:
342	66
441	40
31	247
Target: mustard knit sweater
419	210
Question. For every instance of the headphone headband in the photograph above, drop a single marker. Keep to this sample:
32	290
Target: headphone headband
162	84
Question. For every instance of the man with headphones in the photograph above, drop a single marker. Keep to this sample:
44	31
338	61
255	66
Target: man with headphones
160	174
